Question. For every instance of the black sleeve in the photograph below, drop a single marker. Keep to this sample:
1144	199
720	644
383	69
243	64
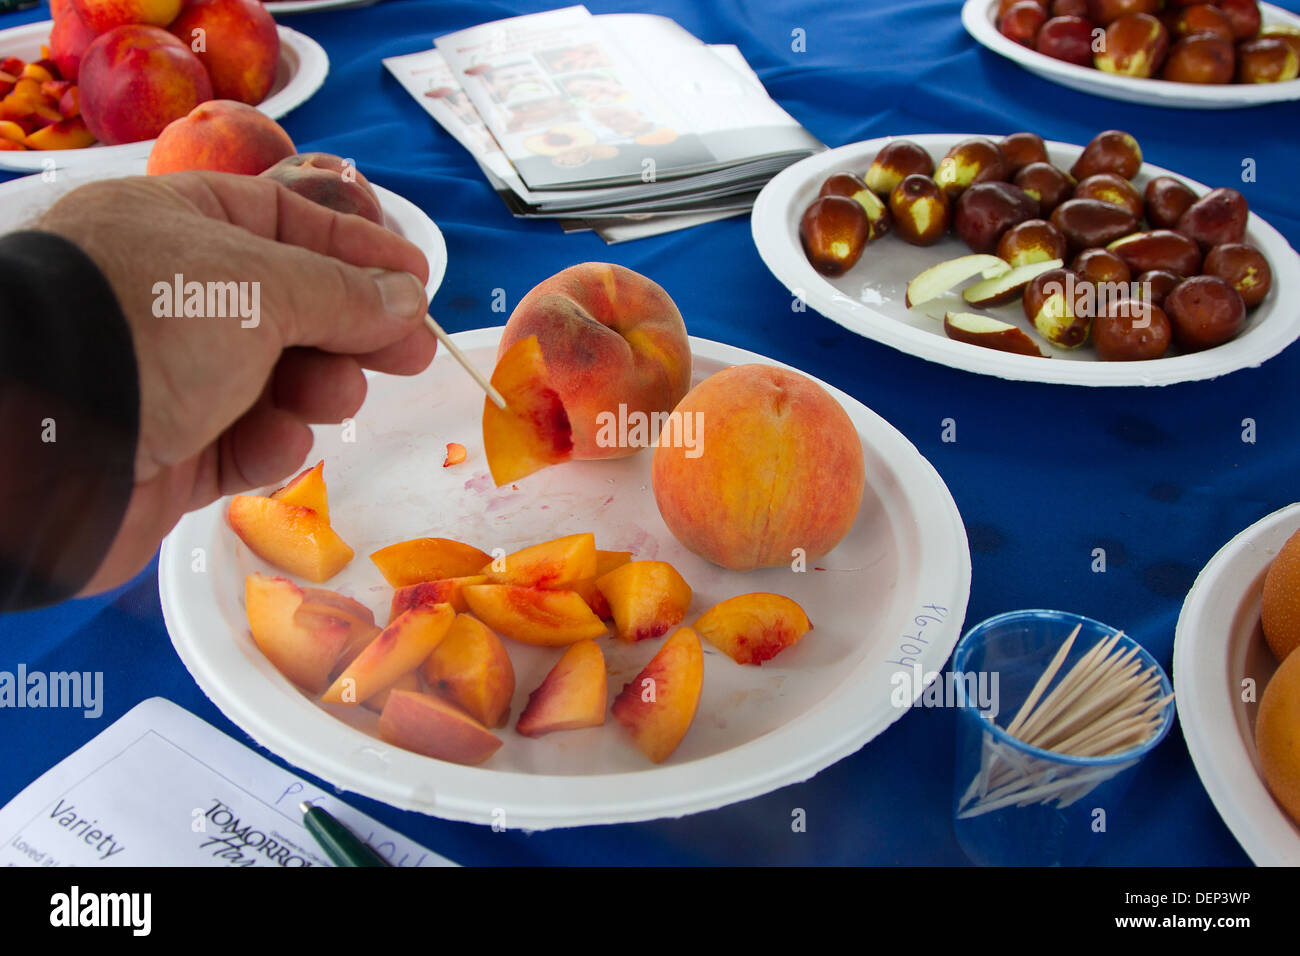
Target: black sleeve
69	418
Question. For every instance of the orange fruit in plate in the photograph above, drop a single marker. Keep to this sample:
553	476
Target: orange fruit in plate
1280	614
1277	735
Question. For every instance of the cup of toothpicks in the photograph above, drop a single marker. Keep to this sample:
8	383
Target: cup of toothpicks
1055	711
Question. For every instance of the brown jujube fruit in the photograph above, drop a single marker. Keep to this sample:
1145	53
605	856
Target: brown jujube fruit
920	210
1034	240
1069	328
986	210
1045	183
1205	311
1266	60
1066	38
1113	189
897	160
1135	45
1021	149
1104	12
834	231
1166	201
1131	330
971	161
1198	18
1110	151
1200	58
1022	21
1087	223
848	185
1217	217
1159	249
1101	266
1244	268
1244	16
1156	284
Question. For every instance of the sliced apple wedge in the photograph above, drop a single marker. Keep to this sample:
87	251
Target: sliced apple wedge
1004	288
989	332
938	279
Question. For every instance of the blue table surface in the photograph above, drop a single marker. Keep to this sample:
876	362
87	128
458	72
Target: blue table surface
1160	478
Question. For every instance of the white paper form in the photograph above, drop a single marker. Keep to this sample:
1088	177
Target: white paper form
160	787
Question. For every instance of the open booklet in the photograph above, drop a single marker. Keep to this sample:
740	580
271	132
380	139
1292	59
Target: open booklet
621	118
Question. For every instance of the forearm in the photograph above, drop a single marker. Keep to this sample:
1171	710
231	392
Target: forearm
69	419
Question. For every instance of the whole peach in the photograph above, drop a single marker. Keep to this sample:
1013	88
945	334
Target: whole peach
238	43
616	352
102	15
779	466
136	79
69	39
223	136
329	180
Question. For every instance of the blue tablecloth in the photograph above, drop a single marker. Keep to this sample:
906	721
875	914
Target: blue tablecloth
1159	477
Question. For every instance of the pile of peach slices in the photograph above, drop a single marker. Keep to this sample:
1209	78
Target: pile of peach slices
440	675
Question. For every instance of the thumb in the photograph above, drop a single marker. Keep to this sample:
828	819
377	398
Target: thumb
311	299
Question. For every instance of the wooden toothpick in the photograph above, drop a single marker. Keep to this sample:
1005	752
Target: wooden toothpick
460	357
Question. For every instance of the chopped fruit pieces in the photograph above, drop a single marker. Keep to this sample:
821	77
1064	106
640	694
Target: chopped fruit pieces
305	651
446	591
1006	287
295	539
534	615
989	332
400	648
431	726
533	430
471	667
938	279
455	454
753	628
572	696
376	702
647	598
427	559
658	705
551	564
307	490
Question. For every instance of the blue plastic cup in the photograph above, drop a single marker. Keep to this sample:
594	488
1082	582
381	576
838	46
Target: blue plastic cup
1017	805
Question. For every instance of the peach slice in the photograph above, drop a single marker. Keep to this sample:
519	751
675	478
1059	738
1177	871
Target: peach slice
361	638
647	598
534	615
571	696
551	564
533	430
606	561
753	628
293	538
446	591
455	454
433	727
658	705
472	668
307	490
427	559
318	604
401	647
303	652
62	134
376	702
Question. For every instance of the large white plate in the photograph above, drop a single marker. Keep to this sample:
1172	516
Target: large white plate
756	729
868	299
303	67
1218	644
280	8
22	200
978	17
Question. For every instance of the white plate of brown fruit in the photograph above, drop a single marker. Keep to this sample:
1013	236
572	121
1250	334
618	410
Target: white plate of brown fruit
1222	54
1031	260
1237	676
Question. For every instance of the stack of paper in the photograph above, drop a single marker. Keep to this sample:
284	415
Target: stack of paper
622	123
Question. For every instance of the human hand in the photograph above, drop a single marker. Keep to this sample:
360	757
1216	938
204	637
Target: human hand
225	404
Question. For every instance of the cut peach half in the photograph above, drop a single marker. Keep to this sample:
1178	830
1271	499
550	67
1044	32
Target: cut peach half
606	561
293	538
303	651
572	695
427	559
657	706
401	647
646	598
446	591
376	702
551	564
431	726
471	668
307	490
533	430
540	616
753	628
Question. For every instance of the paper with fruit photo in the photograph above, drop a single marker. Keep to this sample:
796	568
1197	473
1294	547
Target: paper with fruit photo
162	788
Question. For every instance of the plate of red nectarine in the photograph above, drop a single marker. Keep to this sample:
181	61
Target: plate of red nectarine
1221	55
425	474
1151	278
303	66
1230	680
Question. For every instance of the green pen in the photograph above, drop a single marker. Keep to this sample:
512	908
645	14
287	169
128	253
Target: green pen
341	845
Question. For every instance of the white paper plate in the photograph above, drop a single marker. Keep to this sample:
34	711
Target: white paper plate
1219	643
756	729
868	299
22	200
303	67
281	8
978	17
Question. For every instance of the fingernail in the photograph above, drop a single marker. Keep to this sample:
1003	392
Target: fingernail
401	293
